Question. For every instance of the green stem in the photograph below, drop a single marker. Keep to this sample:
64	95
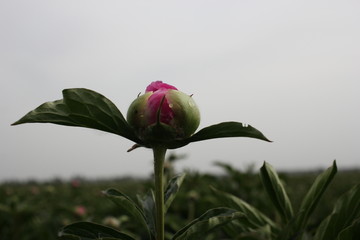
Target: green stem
159	158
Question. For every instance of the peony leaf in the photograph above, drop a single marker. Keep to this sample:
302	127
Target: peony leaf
172	189
129	206
297	225
345	216
351	232
147	202
208	222
314	194
82	107
255	219
89	231
227	129
276	191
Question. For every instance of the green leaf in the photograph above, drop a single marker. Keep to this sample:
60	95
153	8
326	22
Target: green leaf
227	129
148	205
88	231
276	191
346	212
172	189
352	232
208	222
297	225
236	231
129	206
82	108
314	194
255	218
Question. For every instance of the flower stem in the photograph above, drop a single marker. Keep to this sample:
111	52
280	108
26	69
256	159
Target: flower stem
159	158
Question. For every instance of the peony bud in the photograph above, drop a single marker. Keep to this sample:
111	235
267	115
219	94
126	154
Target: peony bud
163	114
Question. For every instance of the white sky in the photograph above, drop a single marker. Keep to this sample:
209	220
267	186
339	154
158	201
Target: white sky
289	68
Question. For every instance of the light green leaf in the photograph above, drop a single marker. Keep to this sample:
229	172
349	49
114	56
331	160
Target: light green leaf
172	189
206	223
89	231
129	206
276	191
346	212
227	129
82	108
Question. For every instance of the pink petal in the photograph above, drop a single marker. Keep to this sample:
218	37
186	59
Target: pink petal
154	101
157	85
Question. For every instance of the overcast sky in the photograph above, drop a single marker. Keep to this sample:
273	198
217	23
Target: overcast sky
289	68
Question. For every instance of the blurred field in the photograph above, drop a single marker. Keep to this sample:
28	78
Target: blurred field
37	210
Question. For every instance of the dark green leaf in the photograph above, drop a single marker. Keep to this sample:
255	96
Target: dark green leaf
172	189
263	233
255	218
221	130
82	108
129	206
297	225
314	194
236	231
276	191
345	213
227	129
89	231
208	222
351	232
148	205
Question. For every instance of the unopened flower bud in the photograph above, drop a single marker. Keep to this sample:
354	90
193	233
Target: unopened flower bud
163	114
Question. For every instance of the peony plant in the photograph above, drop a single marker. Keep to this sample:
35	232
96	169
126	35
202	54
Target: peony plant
162	118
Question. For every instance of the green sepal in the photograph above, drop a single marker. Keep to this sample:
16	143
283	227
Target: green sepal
186	112
159	134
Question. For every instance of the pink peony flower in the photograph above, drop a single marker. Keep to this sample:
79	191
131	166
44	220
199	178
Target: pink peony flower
163	114
80	210
75	183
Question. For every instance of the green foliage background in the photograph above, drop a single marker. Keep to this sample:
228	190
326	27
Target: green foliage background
38	210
